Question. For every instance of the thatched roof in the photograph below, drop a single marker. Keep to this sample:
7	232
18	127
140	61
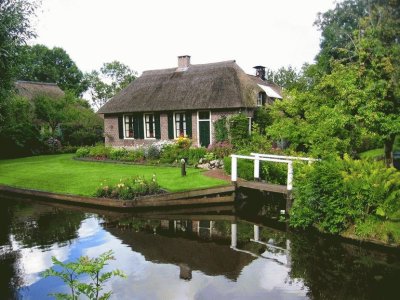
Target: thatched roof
31	90
207	86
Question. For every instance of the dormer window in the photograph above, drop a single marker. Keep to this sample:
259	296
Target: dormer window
261	99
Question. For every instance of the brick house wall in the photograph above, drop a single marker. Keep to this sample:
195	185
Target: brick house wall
112	135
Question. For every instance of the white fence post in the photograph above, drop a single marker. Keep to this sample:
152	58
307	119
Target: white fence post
234	168
256	168
233	235
290	176
256	232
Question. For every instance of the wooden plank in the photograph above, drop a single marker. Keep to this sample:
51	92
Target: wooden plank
261	186
171	199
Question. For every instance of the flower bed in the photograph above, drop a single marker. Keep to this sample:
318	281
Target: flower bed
130	188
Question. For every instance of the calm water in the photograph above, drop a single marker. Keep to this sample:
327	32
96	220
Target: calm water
154	248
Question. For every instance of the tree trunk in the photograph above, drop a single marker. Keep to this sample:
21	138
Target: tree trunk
389	151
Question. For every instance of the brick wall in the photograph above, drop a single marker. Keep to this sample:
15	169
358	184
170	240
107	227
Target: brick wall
112	136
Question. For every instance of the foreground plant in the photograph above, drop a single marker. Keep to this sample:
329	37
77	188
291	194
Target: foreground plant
73	274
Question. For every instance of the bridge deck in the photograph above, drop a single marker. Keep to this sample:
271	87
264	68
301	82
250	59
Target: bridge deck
262	186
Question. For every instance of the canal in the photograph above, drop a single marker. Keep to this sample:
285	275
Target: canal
188	254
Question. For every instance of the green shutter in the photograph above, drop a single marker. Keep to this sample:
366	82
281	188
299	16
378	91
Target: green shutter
138	127
189	124
141	126
121	127
170	126
158	126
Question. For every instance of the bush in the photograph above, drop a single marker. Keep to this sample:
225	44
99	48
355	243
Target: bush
118	153
245	168
129	189
152	152
221	149
221	130
170	154
273	172
82	152
100	151
238	129
336	193
183	142
136	155
195	154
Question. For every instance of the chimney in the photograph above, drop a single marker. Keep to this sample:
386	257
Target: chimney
260	72
183	62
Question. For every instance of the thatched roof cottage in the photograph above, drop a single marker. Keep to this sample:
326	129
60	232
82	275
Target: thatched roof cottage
187	100
32	89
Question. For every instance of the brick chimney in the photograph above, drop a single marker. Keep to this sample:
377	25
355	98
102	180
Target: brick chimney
183	62
260	72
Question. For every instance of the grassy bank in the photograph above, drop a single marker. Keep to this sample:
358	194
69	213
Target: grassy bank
62	174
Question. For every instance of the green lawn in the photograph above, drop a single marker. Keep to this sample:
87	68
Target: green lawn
373	154
62	174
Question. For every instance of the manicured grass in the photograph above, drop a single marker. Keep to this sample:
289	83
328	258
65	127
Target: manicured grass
373	154
62	174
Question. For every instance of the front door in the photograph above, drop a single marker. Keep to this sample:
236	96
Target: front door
204	128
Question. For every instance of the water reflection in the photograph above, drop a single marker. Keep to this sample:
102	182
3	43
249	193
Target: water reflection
187	254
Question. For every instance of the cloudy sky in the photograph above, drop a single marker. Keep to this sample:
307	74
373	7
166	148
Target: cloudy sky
151	34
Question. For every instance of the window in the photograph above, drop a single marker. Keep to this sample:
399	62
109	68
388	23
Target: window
180	124
260	99
129	125
149	125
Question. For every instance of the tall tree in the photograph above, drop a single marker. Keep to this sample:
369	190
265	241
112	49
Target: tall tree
111	78
284	77
15	30
51	65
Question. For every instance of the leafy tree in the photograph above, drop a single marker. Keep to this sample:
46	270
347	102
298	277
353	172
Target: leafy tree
284	77
71	273
43	64
19	135
111	78
15	30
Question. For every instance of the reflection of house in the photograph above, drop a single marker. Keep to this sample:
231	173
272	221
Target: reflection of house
208	257
187	100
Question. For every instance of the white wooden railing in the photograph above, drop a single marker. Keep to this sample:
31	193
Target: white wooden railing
257	157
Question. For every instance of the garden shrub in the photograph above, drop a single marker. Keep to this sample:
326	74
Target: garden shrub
245	168
136	155
82	152
221	149
100	151
195	154
238	129
221	130
169	154
152	152
118	153
183	142
129	188
336	193
273	172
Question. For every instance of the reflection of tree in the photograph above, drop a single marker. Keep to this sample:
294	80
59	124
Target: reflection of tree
339	271
46	226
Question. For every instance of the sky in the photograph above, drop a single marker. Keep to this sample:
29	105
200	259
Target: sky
150	34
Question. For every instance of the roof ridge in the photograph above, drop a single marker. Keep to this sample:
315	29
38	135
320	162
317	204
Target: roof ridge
37	82
191	65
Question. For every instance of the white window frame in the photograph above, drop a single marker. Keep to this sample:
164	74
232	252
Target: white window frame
180	112
123	122
145	129
260	99
198	126
249	118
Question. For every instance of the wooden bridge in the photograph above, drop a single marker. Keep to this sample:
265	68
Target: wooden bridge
263	186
